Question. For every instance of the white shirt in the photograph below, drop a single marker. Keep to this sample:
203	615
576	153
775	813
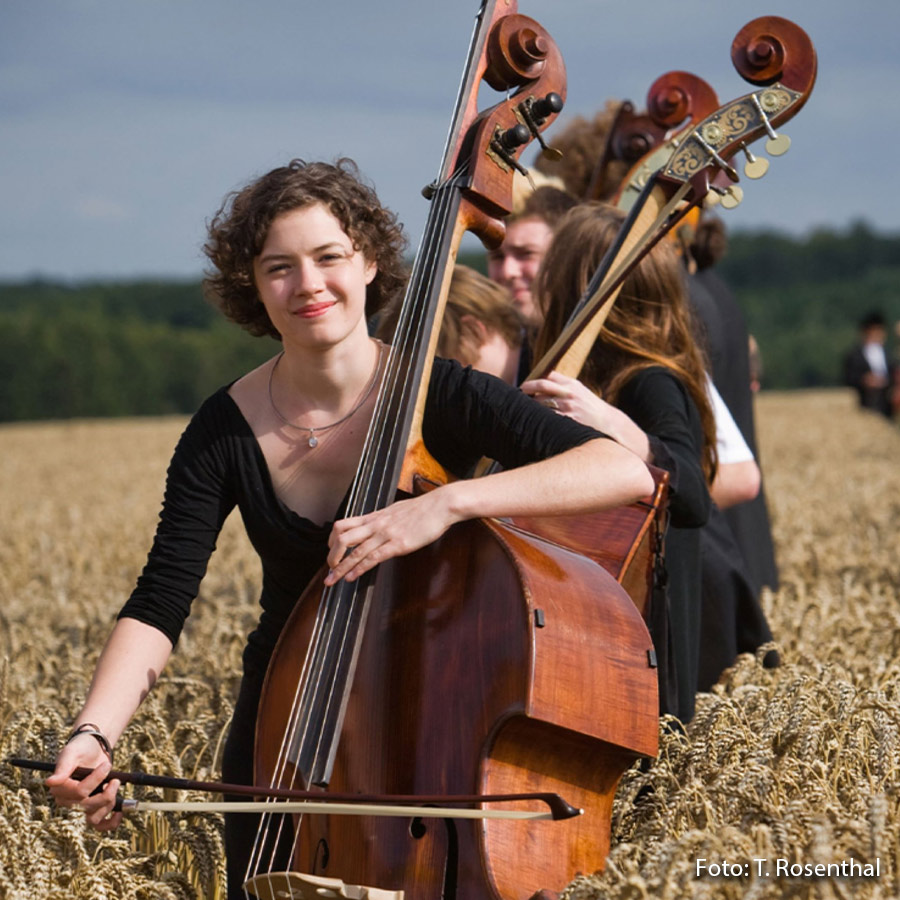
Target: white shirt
876	358
730	444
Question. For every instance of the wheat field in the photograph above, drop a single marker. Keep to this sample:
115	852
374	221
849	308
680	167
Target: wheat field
796	766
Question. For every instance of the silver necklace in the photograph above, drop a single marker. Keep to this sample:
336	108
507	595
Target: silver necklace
312	440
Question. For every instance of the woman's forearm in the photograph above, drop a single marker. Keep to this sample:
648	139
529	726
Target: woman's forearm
735	483
597	475
628	433
129	665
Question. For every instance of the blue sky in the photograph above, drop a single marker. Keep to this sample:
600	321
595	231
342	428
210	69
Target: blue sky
123	123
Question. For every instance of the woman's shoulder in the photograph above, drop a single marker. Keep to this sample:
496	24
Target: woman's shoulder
449	375
217	418
655	392
455	385
654	379
248	393
217	405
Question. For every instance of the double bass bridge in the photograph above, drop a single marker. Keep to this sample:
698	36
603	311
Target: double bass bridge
296	886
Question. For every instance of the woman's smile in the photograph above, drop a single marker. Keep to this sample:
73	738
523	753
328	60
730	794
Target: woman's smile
313	310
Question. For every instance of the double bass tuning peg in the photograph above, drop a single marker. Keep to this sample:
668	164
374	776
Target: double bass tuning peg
729	197
732	197
541	109
777	144
536	112
504	143
513	137
755	167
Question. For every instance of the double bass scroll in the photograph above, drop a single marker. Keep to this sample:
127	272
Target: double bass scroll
771	52
674	101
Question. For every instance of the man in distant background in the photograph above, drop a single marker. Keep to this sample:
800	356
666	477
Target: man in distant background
866	366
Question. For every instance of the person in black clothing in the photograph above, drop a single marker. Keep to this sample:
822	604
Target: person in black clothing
867	368
303	254
644	384
738	550
728	346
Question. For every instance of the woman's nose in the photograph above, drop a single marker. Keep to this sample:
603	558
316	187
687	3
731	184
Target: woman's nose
309	279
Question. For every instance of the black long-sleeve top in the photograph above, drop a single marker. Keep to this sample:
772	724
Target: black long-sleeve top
218	465
660	404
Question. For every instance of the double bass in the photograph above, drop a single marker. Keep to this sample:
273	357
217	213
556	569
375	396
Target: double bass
680	151
492	663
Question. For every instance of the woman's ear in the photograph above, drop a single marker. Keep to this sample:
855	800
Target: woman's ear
371	271
472	325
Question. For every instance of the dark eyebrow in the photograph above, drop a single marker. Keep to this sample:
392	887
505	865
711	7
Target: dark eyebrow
320	249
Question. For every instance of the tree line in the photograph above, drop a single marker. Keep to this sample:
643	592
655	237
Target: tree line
157	347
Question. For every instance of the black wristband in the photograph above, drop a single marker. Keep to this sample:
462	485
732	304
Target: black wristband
94	732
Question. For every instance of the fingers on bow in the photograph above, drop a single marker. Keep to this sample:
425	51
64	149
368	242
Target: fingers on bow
92	793
99	808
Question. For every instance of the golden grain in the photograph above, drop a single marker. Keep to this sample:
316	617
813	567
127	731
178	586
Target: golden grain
800	763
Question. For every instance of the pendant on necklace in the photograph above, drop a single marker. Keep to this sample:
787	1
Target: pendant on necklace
313	440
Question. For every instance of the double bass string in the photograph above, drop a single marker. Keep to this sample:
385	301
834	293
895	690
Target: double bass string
329	620
373	488
267	831
412	322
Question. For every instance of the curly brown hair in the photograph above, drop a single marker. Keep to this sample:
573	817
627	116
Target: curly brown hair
650	323
238	231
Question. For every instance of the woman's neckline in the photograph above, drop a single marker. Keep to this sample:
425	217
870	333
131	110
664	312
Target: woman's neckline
266	474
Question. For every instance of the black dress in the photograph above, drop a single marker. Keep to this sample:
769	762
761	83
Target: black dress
727	342
218	465
660	404
738	554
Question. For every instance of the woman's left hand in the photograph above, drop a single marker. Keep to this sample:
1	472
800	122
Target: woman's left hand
361	543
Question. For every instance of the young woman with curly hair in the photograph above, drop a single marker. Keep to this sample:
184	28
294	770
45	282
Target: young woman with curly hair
304	254
645	385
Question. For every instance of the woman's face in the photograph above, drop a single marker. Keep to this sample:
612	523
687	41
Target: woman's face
311	279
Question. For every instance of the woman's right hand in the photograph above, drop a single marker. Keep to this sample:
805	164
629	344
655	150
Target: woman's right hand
129	664
85	751
569	397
